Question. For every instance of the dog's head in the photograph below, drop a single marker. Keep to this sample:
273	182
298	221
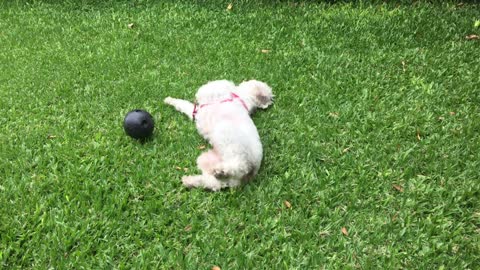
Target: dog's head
260	92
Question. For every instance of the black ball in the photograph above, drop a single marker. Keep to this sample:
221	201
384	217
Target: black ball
138	124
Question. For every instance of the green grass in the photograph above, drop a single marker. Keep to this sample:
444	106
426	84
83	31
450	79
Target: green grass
375	128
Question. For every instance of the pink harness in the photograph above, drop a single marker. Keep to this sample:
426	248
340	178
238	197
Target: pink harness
232	98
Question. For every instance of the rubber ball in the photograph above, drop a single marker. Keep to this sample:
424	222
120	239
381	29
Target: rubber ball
139	124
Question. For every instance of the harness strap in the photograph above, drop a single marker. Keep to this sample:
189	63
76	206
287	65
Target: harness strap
232	98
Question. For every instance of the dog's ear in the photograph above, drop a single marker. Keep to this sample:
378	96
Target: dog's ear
261	92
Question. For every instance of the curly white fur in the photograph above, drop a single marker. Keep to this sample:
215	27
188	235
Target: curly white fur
237	151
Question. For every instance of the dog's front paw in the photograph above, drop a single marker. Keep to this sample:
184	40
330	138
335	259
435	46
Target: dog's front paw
168	100
190	181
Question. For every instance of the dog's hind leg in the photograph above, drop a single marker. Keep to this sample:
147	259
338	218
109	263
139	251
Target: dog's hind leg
207	161
236	169
204	181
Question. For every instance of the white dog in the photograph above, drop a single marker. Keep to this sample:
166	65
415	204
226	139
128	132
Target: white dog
222	116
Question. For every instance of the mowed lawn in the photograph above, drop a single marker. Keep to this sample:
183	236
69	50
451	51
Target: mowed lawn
371	150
